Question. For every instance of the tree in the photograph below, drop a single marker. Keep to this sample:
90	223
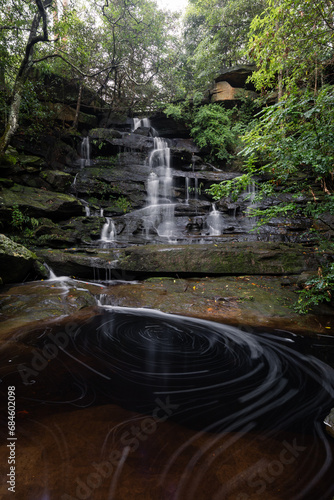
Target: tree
216	33
118	49
37	32
292	40
290	147
137	37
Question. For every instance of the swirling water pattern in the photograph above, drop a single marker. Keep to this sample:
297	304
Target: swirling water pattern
228	414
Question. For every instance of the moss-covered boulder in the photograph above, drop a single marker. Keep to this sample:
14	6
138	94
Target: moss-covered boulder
34	202
17	262
57	180
105	134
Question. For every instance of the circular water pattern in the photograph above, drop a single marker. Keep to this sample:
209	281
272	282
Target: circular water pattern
213	376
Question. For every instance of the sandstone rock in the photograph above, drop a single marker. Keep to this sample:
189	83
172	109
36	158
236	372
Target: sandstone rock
236	76
223	91
240	258
39	203
17	262
105	134
65	113
58	180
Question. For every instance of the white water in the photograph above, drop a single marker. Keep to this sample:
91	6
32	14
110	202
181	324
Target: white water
108	233
161	218
85	152
214	221
249	198
140	122
187	190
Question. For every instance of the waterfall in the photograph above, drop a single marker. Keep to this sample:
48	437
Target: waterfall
187	190
152	189
108	232
85	152
140	122
160	160
160	209
249	197
214	221
52	275
101	212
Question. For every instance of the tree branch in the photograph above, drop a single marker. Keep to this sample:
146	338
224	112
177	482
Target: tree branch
86	75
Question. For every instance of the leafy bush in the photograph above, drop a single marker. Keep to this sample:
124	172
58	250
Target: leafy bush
20	220
214	129
316	291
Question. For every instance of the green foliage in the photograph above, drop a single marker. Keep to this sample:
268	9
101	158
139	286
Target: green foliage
292	145
123	204
197	190
19	220
33	111
215	34
316	291
231	188
215	129
293	40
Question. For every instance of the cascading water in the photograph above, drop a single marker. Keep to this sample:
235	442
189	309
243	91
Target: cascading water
250	195
160	209
140	122
108	233
186	191
85	152
214	221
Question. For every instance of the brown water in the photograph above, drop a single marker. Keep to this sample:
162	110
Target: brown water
136	404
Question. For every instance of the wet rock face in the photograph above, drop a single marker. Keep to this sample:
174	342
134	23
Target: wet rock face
39	203
17	262
190	260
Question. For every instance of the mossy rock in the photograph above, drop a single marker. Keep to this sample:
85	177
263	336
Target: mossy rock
104	134
58	180
17	262
37	203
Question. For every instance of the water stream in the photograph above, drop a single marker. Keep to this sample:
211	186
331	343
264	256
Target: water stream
85	152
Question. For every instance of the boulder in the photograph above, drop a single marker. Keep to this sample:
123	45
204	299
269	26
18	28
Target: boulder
17	262
58	180
52	149
64	113
37	203
105	134
237	76
223	91
168	127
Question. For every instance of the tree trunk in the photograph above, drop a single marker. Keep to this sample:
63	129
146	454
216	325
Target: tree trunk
77	111
13	120
21	77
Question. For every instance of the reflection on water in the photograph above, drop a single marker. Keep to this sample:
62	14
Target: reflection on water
142	405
